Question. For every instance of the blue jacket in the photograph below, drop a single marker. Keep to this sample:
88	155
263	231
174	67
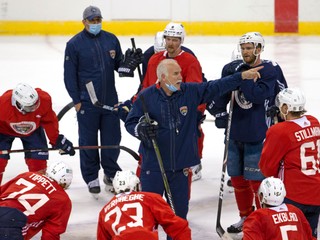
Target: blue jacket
95	58
177	119
249	121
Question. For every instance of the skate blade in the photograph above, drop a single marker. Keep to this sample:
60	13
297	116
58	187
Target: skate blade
95	195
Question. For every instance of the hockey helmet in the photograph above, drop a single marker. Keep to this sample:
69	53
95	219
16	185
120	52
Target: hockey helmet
125	181
25	98
252	37
159	43
293	98
61	173
174	30
236	55
272	191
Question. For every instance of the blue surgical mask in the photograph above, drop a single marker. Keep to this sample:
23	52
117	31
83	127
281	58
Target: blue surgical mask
95	28
171	87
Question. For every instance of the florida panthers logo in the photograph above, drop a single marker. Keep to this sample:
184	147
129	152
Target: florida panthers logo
241	100
184	110
112	54
23	128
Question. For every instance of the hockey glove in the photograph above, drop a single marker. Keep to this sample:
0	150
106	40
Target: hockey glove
65	145
221	120
122	110
146	131
131	60
272	111
200	119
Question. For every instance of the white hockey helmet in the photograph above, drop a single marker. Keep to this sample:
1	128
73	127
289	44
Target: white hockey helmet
125	181
61	173
25	98
252	37
236	55
174	30
273	191
159	43
293	98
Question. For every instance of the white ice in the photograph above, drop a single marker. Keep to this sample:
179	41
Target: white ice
38	60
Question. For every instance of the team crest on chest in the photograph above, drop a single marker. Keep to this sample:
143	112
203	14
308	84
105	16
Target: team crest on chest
112	54
184	110
23	127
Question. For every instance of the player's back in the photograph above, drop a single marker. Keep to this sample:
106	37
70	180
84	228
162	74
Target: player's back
39	198
282	222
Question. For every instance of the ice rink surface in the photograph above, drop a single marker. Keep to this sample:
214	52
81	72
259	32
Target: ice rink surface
38	60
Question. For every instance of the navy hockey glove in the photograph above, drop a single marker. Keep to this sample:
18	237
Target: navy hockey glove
272	111
221	120
146	131
122	110
131	60
200	119
65	145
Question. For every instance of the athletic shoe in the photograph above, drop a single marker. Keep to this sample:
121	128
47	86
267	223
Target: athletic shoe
94	186
237	227
107	180
196	172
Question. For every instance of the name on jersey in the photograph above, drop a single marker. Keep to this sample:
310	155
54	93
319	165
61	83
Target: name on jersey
124	198
44	182
307	133
284	217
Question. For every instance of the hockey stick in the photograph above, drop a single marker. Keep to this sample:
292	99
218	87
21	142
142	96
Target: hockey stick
93	97
221	232
159	158
128	150
138	67
64	110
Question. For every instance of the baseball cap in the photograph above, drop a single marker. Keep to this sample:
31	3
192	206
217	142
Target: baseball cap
91	12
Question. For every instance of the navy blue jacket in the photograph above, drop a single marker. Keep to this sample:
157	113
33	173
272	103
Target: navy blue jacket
95	58
177	118
249	121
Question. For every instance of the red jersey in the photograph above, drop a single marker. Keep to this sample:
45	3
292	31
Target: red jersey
282	223
291	151
14	123
190	68
129	215
44	202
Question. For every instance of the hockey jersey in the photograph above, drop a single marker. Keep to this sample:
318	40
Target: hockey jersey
44	202
14	123
132	215
282	222
291	152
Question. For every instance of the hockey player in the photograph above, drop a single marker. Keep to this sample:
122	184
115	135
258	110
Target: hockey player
275	220
249	111
291	151
132	214
32	202
173	116
26	113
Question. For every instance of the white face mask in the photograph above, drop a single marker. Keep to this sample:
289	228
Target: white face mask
95	28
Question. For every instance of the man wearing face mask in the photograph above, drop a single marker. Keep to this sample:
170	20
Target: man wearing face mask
172	107
94	55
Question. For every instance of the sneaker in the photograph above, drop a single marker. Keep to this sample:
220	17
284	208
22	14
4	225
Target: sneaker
94	186
237	227
196	172
107	180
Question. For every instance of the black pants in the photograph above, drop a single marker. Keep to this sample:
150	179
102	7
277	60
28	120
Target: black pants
11	223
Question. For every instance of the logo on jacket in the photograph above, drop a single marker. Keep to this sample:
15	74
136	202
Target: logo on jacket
241	100
112	54
23	128
184	110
